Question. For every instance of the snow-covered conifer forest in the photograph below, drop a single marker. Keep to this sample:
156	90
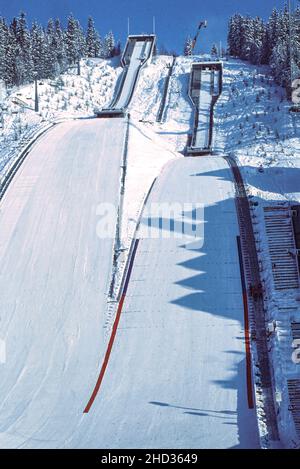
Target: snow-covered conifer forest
275	42
45	52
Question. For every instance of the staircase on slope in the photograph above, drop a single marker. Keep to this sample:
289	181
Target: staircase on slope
282	247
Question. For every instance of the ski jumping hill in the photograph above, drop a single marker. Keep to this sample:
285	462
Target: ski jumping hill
132	341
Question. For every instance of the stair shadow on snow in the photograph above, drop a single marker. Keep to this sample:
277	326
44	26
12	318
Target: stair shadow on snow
276	179
212	274
217	279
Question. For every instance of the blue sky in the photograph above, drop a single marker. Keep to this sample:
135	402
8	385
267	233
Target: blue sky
174	19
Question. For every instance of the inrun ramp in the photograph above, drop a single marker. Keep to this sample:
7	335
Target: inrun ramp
202	131
138	51
204	89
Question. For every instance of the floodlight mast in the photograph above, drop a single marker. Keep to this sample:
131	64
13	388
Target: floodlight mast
202	24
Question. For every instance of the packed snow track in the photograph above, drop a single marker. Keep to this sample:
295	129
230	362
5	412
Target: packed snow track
176	377
177	372
54	279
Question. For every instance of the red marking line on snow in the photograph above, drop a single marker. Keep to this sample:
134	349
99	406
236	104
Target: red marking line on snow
113	333
247	333
248	354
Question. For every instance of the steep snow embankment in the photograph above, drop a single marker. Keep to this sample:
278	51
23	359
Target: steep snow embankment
177	116
253	124
149	90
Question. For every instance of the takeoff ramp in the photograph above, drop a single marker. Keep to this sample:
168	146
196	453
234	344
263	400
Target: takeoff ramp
138	51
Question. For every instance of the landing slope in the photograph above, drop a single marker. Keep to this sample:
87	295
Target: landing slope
54	278
177	377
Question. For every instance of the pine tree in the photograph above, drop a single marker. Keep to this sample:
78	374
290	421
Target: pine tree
39	50
81	41
281	59
280	63
3	39
296	43
273	29
109	45
61	53
248	38
11	51
256	47
24	64
93	45
266	51
52	67
235	35
70	39
75	40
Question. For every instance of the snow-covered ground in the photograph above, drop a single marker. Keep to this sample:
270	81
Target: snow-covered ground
177	376
177	373
143	167
68	96
253	124
177	116
55	274
147	155
164	303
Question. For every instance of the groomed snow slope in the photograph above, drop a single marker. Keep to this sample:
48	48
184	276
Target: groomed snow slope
68	96
177	377
177	373
54	279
